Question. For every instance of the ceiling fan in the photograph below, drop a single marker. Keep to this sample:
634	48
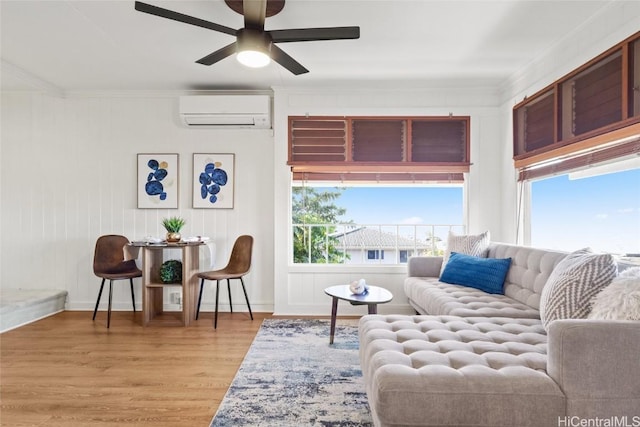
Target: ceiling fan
255	45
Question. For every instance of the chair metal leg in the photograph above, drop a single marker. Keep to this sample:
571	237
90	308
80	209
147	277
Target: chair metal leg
133	298
229	290
95	310
109	311
246	297
215	319
199	299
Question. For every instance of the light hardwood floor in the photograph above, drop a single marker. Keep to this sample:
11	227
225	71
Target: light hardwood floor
67	370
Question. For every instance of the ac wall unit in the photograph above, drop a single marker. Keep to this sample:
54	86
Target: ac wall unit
226	111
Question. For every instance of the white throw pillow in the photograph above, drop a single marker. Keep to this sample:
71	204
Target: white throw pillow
573	284
474	245
621	299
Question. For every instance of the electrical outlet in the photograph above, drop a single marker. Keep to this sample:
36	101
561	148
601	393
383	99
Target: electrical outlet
175	298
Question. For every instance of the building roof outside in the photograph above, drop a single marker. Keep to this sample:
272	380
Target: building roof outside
371	238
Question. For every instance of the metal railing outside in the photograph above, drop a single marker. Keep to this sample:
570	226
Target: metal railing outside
368	243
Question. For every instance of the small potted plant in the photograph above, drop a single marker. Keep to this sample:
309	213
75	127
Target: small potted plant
173	226
171	271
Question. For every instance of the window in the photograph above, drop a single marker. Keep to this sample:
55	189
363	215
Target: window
576	146
384	176
379	224
589	209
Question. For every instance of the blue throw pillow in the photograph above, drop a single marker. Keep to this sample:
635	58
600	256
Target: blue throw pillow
486	274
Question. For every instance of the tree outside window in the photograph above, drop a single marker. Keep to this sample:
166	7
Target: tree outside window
314	216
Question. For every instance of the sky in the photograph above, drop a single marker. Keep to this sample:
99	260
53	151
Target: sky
602	212
401	205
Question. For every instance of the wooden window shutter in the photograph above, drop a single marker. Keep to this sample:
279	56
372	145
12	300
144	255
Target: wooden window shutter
533	124
439	141
597	96
378	140
379	149
633	89
592	112
317	140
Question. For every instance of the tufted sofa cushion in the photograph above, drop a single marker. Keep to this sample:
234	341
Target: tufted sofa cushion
454	371
530	269
430	296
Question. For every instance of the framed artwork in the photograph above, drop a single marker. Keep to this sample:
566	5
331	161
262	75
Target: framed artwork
213	180
158	181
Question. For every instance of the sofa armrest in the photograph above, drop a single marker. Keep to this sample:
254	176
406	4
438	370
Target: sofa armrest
424	266
597	365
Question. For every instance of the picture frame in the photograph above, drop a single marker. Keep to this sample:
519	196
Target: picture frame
213	181
158	180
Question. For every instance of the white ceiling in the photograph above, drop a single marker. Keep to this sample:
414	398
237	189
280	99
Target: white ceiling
83	45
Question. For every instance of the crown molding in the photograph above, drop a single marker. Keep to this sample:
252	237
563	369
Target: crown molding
35	83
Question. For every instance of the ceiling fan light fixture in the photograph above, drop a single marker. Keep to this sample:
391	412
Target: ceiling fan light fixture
253	58
254	48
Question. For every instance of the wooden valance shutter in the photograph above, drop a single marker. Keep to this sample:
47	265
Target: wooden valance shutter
379	149
597	95
590	116
439	141
534	124
378	140
317	141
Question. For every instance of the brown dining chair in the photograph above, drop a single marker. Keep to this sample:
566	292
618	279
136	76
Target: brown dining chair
238	266
109	263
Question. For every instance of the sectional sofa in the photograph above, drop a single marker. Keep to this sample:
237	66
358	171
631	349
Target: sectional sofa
474	358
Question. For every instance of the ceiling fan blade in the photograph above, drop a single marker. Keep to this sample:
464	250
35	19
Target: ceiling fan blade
286	61
311	34
255	12
169	14
218	55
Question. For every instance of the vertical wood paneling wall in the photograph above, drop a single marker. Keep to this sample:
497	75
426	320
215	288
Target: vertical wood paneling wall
68	169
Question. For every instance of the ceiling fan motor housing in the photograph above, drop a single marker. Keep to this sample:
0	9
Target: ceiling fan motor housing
255	40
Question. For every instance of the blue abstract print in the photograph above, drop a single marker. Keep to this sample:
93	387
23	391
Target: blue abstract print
211	179
154	186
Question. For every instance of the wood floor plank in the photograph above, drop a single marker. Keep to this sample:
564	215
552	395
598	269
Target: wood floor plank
67	370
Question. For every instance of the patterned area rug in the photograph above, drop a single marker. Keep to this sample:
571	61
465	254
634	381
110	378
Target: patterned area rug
291	376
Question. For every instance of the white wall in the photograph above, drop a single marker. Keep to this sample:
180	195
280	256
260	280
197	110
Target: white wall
68	175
